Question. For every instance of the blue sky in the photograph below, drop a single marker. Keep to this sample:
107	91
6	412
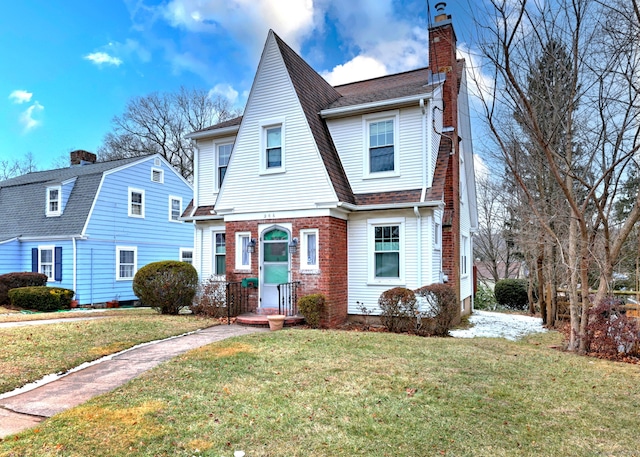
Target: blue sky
70	66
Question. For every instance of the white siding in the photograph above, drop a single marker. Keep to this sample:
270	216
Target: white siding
206	173
305	180
349	137
360	288
203	254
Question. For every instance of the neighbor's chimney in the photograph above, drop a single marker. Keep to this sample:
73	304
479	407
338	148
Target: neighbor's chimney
440	14
82	157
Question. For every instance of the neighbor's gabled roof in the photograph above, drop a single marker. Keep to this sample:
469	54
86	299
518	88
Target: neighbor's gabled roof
23	200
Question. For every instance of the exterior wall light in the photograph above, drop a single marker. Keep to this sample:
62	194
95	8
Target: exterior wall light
293	246
251	247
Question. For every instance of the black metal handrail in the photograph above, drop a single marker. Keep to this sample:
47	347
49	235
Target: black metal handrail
237	300
288	298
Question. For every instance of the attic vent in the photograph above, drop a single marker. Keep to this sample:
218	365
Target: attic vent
157	162
157	175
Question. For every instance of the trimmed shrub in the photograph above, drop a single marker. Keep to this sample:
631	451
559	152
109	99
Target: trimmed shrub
610	332
41	298
398	309
14	280
211	299
311	307
512	293
167	286
443	307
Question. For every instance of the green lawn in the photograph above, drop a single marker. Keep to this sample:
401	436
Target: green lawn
332	393
28	353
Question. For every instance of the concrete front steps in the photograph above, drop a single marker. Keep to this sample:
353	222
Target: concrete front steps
259	318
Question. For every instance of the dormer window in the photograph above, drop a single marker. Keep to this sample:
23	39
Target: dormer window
54	203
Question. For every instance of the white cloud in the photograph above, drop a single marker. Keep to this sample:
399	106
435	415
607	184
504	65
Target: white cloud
246	21
100	58
226	91
130	48
29	117
357	69
20	96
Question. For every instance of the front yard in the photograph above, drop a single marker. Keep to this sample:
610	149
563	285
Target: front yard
31	352
336	393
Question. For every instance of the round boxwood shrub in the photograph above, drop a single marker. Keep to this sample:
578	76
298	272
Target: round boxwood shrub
10	281
512	293
311	306
41	298
166	286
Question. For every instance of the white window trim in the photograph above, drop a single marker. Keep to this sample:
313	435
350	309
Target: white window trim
371	225
464	256
131	190
377	117
264	125
216	146
214	254
437	234
182	251
158	170
50	213
135	261
52	248
239	265
171	198
303	249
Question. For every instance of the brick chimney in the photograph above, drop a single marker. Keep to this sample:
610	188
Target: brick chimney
82	157
442	60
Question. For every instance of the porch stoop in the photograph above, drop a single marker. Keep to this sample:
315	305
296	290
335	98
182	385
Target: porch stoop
260	319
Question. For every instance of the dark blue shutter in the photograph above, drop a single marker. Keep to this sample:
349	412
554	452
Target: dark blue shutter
57	268
34	260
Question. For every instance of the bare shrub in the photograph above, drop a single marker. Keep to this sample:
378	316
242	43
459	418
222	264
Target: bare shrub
442	304
211	299
399	308
610	332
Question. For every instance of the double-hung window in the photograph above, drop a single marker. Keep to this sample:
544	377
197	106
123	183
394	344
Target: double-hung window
224	152
53	201
126	262
219	253
381	140
243	256
46	262
175	208
464	255
136	202
272	146
309	249
386	243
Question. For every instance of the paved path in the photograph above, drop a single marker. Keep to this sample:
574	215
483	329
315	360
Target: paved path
25	410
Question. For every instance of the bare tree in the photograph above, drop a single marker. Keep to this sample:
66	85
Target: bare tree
17	167
158	122
598	128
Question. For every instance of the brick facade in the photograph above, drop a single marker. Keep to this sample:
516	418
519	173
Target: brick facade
331	277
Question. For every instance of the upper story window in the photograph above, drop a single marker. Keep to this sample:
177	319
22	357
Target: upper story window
224	152
175	208
272	146
381	145
136	202
54	203
157	175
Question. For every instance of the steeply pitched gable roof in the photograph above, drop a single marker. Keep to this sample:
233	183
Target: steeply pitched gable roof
23	200
315	94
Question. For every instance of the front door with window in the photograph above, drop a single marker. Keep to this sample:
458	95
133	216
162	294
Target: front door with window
275	265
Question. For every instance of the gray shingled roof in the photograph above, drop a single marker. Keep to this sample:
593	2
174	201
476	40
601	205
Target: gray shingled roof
23	200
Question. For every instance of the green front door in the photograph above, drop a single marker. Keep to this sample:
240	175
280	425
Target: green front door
275	265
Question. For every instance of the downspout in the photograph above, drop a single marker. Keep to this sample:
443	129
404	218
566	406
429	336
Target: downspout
75	264
196	158
416	211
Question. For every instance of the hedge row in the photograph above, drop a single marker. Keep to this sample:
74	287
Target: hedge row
14	280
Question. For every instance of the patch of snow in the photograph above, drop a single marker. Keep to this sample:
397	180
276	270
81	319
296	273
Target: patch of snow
500	325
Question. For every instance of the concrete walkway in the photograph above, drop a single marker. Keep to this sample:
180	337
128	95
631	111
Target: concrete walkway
25	410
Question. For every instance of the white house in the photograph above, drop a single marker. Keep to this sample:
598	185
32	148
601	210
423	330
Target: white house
349	190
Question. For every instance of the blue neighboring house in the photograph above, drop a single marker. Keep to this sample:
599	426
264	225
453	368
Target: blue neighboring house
91	226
